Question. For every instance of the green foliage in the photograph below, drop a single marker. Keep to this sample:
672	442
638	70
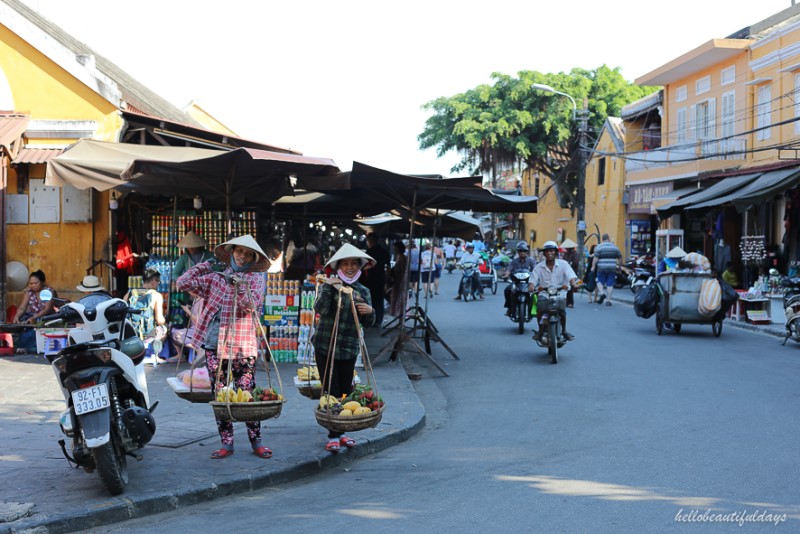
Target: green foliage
495	126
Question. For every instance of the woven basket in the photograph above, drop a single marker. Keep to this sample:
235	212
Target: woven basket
246	411
308	388
188	393
348	423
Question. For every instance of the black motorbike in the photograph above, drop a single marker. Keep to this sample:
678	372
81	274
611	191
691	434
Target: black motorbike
521	299
467	287
553	304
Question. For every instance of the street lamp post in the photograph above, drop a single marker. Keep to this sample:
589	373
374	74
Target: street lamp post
582	119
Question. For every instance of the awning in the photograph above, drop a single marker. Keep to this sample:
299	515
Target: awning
672	196
36	155
759	190
719	189
12	128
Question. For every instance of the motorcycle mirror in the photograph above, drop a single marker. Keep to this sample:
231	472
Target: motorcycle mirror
45	295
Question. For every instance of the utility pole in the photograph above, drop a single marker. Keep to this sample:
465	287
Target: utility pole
582	117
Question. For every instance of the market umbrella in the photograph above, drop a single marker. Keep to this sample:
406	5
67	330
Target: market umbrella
100	164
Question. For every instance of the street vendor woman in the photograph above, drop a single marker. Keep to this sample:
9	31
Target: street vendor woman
348	263
227	324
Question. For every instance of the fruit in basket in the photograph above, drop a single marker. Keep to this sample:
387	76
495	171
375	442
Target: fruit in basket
361	410
266	394
352	406
308	373
364	396
345	413
327	401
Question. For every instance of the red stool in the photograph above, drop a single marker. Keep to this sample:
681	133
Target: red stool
6	344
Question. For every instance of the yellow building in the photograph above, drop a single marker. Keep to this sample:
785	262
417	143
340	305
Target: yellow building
54	90
605	188
730	117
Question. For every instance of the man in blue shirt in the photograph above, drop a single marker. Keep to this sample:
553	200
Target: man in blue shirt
607	258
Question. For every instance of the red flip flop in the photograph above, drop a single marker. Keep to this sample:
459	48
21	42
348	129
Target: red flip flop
347	441
333	446
221	453
262	452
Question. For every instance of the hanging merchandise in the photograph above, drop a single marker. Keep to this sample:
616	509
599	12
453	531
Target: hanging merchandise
753	250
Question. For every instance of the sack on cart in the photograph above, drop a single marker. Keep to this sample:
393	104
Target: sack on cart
729	295
645	303
710	300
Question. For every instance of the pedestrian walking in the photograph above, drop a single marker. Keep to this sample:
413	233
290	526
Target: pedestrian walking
607	258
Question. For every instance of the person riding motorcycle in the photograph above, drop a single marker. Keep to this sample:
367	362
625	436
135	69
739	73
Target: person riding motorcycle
522	261
470	256
552	271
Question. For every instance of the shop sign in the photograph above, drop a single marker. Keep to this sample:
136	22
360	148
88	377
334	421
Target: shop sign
641	196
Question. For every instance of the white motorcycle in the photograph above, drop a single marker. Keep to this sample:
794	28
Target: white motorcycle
101	374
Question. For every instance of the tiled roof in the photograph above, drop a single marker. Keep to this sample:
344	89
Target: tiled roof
133	94
36	155
12	127
643	105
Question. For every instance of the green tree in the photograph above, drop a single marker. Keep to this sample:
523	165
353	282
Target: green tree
495	127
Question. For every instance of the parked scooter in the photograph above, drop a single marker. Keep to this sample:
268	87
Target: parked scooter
521	297
450	265
791	303
553	304
467	286
102	378
639	277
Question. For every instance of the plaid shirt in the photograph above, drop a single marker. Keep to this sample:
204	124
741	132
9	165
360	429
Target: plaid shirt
347	335
238	336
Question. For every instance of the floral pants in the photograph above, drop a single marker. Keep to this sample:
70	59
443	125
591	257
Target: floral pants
243	373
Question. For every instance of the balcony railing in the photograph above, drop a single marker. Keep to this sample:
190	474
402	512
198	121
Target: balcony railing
706	149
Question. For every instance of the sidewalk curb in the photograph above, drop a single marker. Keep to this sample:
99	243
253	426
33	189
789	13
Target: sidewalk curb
122	508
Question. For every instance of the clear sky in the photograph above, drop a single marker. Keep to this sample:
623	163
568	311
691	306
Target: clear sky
346	79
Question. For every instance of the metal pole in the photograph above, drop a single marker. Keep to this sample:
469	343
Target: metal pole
583	120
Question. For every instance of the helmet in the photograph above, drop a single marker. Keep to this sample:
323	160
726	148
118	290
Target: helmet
550	245
469	245
522	246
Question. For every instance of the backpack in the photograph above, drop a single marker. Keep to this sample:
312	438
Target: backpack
144	322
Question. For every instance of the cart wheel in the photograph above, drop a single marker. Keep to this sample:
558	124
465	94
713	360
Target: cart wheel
659	321
494	283
677	327
716	328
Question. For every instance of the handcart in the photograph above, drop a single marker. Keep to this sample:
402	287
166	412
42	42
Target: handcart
679	294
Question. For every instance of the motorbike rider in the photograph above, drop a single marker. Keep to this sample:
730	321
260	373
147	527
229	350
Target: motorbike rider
470	256
522	261
552	271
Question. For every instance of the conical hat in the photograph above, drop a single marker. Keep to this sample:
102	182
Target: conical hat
223	252
349	251
16	276
676	252
569	243
192	240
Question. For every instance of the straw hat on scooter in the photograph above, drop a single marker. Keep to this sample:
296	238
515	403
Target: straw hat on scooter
192	240
223	252
569	243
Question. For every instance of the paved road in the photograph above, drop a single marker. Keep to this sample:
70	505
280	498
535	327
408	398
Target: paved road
630	432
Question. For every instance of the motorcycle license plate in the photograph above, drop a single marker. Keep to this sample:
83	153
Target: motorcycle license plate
91	399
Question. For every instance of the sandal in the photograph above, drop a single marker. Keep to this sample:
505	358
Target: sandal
347	441
333	446
262	452
221	453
